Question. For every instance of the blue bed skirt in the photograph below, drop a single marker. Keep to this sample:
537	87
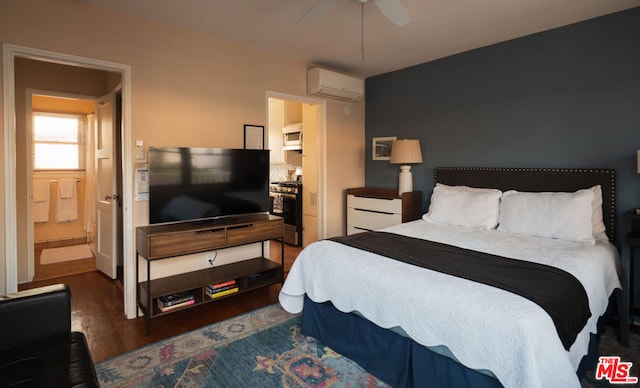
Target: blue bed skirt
396	359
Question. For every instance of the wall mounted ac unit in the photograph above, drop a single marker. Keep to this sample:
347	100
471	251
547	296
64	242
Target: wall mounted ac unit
331	84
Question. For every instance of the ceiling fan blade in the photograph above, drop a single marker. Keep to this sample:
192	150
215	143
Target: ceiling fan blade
322	7
394	11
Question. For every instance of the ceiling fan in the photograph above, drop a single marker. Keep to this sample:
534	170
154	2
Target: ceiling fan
392	9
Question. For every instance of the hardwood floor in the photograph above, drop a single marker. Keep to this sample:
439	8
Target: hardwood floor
98	310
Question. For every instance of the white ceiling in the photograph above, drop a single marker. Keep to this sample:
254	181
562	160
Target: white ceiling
439	27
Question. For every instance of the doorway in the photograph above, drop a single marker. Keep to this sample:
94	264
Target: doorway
15	184
59	133
303	164
87	171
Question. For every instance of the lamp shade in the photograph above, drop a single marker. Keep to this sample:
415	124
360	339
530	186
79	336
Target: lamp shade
406	151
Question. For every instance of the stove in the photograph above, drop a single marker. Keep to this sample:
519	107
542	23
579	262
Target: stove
285	187
286	201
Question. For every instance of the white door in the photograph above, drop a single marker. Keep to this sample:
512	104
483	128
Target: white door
106	189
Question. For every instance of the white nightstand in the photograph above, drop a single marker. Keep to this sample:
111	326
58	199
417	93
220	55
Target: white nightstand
373	208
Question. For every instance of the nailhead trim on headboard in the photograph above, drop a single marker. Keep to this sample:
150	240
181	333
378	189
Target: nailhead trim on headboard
523	179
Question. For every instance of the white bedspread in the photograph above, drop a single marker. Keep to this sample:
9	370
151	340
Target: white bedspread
484	327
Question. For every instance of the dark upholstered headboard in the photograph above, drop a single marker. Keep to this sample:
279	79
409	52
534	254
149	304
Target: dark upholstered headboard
538	180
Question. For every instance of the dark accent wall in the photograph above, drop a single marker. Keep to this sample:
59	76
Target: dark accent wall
567	97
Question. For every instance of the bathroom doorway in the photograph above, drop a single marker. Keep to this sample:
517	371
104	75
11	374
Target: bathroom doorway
16	250
60	131
62	90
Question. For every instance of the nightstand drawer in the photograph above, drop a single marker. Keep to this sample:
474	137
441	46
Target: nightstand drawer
371	220
375	204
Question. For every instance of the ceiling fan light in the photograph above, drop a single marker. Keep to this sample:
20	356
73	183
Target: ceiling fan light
317	11
395	11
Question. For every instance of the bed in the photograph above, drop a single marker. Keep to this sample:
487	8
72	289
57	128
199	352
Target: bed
412	325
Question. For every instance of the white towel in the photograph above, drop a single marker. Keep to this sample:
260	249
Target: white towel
67	188
40	190
66	207
41	200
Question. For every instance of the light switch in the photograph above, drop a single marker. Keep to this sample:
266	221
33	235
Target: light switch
139	149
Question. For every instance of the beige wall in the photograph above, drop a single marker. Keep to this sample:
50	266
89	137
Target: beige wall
187	89
345	162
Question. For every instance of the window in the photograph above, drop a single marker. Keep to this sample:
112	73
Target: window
58	141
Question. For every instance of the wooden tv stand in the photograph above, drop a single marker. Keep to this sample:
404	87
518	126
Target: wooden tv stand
157	242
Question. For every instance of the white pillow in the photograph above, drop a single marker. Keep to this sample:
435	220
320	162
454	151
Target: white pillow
464	206
566	216
599	230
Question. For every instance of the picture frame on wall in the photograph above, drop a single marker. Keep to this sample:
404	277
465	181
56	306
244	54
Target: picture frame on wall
253	137
381	148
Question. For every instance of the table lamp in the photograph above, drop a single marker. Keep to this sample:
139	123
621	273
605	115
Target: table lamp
405	152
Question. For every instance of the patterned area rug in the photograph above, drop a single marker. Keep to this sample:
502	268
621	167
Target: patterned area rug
263	348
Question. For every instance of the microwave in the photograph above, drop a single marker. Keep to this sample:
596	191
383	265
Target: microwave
292	137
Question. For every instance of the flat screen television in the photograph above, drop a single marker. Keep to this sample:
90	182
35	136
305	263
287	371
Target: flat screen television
206	184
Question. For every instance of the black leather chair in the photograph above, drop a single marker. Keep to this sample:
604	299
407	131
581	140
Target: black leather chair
37	346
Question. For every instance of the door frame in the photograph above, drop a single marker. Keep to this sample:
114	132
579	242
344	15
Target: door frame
9	53
322	152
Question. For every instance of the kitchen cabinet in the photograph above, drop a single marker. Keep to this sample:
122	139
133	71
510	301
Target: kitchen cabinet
292	112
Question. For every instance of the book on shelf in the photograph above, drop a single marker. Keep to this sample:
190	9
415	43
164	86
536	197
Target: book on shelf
231	282
173	299
221	293
174	306
212	290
